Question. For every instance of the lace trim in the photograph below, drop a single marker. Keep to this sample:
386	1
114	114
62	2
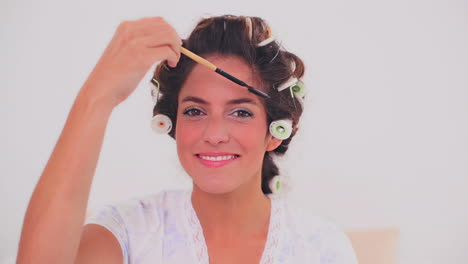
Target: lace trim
198	238
272	242
199	242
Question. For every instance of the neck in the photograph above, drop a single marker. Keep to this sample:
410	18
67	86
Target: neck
245	211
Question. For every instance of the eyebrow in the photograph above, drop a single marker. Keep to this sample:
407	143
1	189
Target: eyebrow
230	102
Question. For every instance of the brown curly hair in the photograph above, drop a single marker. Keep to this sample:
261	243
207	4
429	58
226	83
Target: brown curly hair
238	36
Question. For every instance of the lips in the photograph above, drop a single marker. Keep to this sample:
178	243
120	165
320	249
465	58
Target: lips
216	159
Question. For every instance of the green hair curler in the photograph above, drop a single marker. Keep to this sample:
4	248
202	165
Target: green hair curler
281	129
298	89
275	184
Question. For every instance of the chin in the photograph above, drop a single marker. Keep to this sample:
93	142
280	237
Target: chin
214	187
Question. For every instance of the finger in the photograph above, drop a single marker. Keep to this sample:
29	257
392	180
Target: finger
148	26
153	26
164	38
159	27
160	53
154	32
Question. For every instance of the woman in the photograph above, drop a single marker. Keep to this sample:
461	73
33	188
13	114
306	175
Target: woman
224	142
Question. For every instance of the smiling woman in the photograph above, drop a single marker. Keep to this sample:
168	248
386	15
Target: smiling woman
228	121
244	47
226	140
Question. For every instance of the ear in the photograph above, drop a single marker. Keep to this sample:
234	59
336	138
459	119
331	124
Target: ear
273	143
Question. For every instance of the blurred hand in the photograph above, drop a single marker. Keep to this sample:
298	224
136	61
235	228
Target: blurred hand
134	48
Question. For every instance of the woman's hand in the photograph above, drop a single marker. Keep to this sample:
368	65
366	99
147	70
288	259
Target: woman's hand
135	47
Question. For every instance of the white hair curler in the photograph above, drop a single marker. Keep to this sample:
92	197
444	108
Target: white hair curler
287	84
249	27
266	41
161	124
154	90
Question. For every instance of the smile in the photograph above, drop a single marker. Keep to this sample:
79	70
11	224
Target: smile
216	160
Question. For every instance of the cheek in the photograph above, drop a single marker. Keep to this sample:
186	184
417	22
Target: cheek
251	136
186	135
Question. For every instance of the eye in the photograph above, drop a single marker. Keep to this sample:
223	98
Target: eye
192	111
242	113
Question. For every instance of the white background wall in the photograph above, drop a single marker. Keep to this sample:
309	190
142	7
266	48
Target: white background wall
383	141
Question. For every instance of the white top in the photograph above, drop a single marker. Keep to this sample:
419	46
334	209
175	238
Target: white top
164	228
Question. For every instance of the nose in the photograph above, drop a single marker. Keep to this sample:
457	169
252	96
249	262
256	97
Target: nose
216	131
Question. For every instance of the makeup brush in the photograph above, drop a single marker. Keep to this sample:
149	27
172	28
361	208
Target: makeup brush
213	67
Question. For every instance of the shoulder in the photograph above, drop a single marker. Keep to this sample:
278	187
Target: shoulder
328	242
139	224
147	212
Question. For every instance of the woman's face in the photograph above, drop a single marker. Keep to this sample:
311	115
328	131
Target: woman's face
221	130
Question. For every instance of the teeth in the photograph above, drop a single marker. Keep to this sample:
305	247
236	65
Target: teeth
218	158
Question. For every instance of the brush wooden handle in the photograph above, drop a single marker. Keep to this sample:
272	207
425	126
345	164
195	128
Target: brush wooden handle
213	67
198	59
